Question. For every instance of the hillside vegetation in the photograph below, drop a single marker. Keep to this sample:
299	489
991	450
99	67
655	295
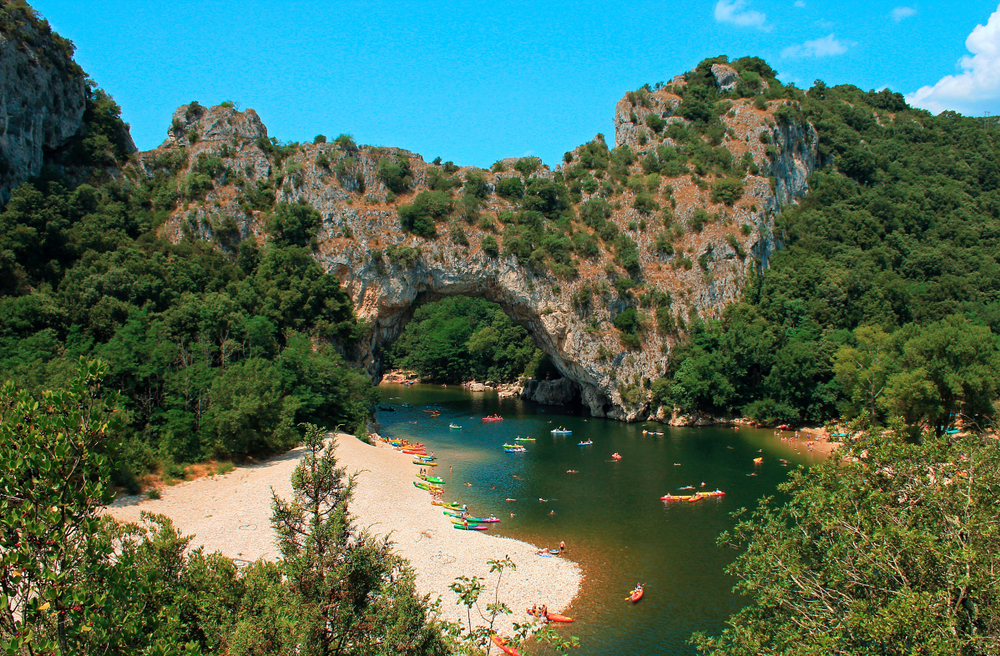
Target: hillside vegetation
884	300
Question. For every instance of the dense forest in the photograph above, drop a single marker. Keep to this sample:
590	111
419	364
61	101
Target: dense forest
462	338
219	354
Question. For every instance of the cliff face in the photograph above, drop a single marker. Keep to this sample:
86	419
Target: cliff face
42	96
389	272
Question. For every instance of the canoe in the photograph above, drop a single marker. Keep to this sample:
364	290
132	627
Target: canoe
476	520
552	617
695	497
616	456
425	458
758	461
428	486
434	480
587	443
425	464
492	418
511	446
675	497
636	594
471	527
716	493
516	450
524	439
451	505
455	426
556	431
503	646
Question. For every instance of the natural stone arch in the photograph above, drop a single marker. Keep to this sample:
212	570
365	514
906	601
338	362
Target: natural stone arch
386	299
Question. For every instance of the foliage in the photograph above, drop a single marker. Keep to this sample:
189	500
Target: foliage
427	208
458	339
891	547
395	173
343	585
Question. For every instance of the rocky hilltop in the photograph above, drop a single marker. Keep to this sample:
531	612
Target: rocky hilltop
602	260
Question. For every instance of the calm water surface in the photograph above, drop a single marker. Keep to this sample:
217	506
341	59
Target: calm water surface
609	514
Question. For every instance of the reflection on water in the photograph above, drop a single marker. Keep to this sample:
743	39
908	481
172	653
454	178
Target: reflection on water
609	512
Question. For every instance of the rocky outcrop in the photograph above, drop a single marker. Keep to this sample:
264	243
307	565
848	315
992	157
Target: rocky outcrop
562	391
726	77
389	272
43	96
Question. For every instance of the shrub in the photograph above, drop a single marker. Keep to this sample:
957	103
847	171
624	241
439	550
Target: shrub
655	123
427	207
644	203
346	142
458	235
395	173
699	219
319	139
527	165
627	320
664	243
727	190
490	246
510	188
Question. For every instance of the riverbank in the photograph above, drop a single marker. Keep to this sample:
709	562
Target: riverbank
231	514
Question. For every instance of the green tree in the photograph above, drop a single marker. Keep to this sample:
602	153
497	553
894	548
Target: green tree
889	548
345	587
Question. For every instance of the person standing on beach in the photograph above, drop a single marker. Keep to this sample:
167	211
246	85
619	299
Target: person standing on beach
562	547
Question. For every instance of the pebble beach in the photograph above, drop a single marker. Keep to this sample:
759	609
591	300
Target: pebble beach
231	514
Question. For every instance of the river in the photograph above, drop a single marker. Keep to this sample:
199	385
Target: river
609	513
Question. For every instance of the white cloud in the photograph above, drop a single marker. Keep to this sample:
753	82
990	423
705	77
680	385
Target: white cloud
828	46
899	13
800	3
735	12
977	88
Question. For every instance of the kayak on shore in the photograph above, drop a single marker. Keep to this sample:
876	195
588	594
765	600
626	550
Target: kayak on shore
552	617
503	646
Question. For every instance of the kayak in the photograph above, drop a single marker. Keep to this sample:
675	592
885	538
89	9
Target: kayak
511	446
471	527
502	646
695	497
675	497
455	426
451	505
636	594
424	458
518	449
428	486
492	418
552	617
432	479
425	464
524	439
716	493
616	456
587	443
558	431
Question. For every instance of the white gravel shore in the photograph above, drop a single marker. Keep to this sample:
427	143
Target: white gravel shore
231	514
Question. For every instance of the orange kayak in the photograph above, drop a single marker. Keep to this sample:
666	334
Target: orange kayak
636	594
502	645
552	617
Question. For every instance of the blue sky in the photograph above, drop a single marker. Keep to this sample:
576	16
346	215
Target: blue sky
474	82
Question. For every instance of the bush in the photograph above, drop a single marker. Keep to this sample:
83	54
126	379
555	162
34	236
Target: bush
644	203
319	139
427	207
655	123
510	188
665	243
727	190
527	165
395	173
490	246
699	219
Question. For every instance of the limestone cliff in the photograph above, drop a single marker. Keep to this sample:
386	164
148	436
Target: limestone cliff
694	249
42	95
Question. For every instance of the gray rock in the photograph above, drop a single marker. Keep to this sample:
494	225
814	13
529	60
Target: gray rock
726	77
42	99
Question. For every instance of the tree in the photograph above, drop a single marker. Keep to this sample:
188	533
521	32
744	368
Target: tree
864	369
344	586
888	548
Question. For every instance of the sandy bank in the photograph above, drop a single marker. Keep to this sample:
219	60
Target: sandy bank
231	514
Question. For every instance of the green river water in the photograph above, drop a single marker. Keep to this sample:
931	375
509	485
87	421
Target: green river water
609	513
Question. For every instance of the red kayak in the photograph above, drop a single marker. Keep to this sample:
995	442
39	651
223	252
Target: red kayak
502	644
636	594
492	418
552	617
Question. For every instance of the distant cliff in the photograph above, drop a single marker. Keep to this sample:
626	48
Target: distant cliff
602	260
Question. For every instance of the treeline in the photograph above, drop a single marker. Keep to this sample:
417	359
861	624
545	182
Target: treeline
883	300
221	351
462	338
